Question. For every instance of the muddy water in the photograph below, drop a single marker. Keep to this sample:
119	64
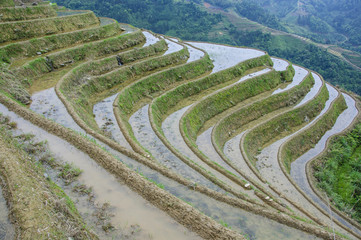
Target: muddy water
255	226
144	133
171	131
232	149
128	207
48	104
103	110
300	74
267	164
225	56
279	64
298	167
7	231
105	118
204	142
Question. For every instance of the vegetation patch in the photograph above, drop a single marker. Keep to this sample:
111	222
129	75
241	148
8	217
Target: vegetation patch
283	124
338	173
28	12
14	86
39	208
163	104
83	52
194	119
7	3
227	126
304	141
153	85
40	27
79	88
42	45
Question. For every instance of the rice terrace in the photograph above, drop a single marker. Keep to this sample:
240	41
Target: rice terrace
113	132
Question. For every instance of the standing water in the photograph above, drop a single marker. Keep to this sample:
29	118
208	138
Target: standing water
7	231
298	167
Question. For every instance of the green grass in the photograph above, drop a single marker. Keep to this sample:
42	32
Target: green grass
308	138
354	58
339	173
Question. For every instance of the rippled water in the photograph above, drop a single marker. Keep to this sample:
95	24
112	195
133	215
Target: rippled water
279	64
298	167
267	164
225	56
300	74
128	207
172	47
7	231
150	39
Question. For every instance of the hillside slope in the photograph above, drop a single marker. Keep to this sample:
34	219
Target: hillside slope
149	136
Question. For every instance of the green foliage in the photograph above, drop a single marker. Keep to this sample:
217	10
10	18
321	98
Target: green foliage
308	55
69	172
245	115
40	27
156	84
226	99
14	86
339	173
30	48
254	12
171	98
283	123
7	3
33	12
176	18
60	59
304	141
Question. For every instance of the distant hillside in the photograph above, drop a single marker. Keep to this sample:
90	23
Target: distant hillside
325	21
191	20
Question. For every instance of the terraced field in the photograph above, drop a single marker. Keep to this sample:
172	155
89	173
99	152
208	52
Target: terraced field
184	139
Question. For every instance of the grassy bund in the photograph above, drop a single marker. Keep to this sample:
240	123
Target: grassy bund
88	59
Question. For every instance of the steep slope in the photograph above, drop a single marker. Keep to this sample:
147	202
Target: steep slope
148	122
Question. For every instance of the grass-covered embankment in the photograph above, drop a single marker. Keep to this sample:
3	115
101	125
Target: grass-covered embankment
150	87
283	124
305	140
31	48
11	31
82	92
197	115
39	208
338	172
13	86
7	3
27	13
225	128
79	53
176	208
163	105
